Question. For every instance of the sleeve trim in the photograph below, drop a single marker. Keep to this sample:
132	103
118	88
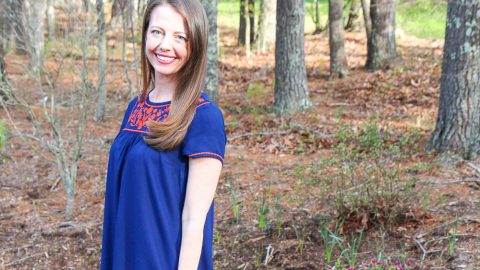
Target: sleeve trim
201	104
206	154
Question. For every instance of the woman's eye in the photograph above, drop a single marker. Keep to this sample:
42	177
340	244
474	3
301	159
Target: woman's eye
181	38
156	32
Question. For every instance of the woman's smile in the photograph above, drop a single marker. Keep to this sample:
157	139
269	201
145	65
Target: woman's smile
165	59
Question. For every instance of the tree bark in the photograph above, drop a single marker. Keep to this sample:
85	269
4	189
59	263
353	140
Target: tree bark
251	16
458	122
246	29
102	62
291	92
316	18
366	17
266	25
18	10
2	63
242	27
382	47
36	40
338	60
3	35
247	32
353	22
211	80
51	19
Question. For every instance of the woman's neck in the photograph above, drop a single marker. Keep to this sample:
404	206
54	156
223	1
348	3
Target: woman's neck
164	89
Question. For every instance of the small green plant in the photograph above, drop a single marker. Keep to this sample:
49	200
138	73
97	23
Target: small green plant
352	250
380	249
216	236
301	237
233	198
262	213
258	257
278	215
256	92
452	238
330	240
3	141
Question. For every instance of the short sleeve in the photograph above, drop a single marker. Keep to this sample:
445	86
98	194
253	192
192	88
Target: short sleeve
206	135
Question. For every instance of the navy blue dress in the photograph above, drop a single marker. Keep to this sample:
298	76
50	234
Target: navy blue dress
145	189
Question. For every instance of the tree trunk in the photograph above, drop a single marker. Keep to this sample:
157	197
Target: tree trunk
251	16
247	32
36	38
3	34
353	22
266	25
366	17
18	9
382	47
6	21
247	22
291	92
124	53
243	22
316	18
132	20
338	60
211	80
458	121
102	62
2	63
51	19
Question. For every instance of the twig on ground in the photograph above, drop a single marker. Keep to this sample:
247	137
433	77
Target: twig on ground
422	248
439	182
14	248
21	260
270	250
440	227
339	104
473	166
255	239
282	132
258	133
55	184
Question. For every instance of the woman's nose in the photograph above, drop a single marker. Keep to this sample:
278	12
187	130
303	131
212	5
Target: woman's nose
166	43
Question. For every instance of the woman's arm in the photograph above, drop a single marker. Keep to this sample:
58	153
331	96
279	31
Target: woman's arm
203	177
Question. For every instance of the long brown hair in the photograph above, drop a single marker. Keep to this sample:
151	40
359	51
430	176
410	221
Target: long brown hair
190	78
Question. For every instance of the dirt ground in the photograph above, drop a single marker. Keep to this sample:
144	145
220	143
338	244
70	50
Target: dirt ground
261	158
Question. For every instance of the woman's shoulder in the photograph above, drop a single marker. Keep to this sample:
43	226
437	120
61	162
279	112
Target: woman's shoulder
207	110
206	107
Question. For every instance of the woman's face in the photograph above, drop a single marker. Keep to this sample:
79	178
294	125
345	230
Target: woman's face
166	41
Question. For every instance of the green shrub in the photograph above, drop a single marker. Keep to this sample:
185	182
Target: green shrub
369	187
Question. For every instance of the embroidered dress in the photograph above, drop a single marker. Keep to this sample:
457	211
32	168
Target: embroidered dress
145	189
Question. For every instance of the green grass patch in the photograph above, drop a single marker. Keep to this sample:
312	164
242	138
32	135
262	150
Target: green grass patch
422	18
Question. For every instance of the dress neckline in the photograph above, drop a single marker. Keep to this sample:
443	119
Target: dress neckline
149	102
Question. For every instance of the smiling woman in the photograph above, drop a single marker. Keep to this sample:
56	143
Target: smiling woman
166	160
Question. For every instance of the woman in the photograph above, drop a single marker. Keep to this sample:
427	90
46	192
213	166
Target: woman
165	162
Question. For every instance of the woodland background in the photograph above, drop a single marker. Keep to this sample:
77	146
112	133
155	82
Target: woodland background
353	130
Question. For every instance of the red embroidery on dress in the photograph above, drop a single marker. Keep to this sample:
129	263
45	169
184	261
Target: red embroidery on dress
142	112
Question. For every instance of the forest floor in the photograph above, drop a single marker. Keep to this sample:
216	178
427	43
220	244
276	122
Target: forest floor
347	181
